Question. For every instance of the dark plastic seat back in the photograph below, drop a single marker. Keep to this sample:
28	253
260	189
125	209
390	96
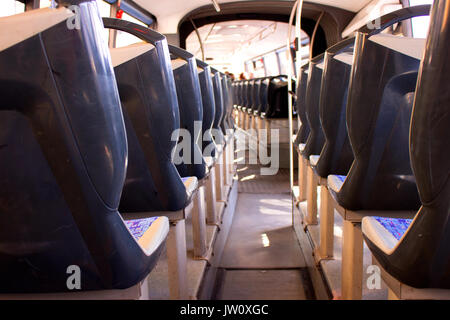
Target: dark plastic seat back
244	93
303	132
218	100
315	141
239	87
209	107
234	89
228	85
264	96
63	154
256	96
250	89
277	105
150	108
191	112
227	104
337	155
378	116
422	258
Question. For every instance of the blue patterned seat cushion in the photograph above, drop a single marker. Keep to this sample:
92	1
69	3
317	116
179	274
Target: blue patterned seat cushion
184	179
139	226
396	227
191	184
335	182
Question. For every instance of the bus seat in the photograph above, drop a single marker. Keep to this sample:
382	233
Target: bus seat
262	107
248	116
225	150
378	114
238	93
210	149
218	100
244	94
64	157
248	103
263	97
253	112
207	90
420	257
220	157
232	103
250	89
315	141
153	183
336	156
190	104
226	124
245	103
257	96
303	131
277	106
378	121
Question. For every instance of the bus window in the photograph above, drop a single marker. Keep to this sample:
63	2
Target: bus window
283	61
104	8
105	11
259	68
420	24
10	7
249	67
271	64
46	4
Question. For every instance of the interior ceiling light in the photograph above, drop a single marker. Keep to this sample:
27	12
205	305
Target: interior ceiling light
216	5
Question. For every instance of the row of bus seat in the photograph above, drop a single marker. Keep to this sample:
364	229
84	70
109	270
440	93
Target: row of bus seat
87	143
374	125
265	98
261	110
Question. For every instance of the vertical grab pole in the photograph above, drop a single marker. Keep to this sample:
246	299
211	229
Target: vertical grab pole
296	9
290	72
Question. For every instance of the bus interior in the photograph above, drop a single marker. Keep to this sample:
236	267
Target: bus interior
225	150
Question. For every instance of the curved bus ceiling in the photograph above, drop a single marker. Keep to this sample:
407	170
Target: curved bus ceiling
229	44
170	13
339	17
176	16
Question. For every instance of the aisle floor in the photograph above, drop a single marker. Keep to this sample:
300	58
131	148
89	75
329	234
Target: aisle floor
262	257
